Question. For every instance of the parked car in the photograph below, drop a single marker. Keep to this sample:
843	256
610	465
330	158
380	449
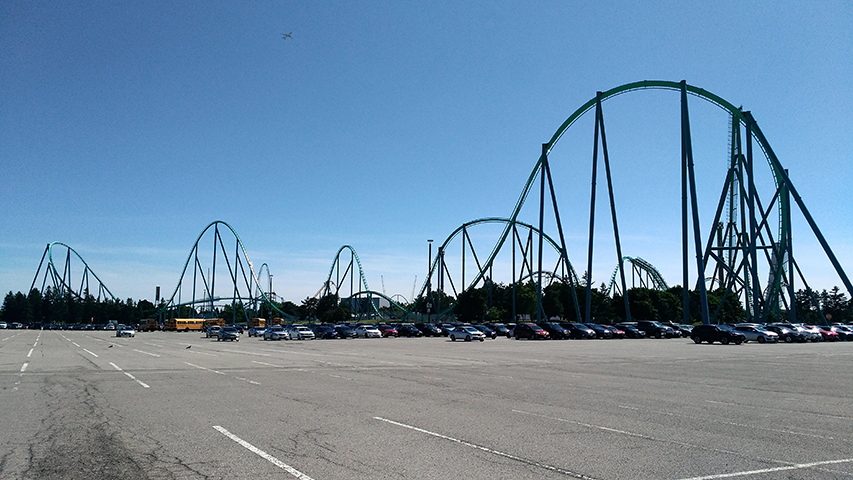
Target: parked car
600	331
809	335
388	330
125	331
557	331
499	328
616	331
213	331
757	333
344	331
326	332
466	333
259	331
300	332
631	331
408	330
429	329
786	334
275	332
228	333
844	332
716	333
488	332
367	331
579	331
531	331
655	329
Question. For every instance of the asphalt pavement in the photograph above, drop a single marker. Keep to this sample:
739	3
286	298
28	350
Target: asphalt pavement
85	404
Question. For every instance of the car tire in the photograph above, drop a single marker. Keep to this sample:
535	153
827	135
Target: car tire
724	340
788	339
517	337
738	342
658	335
761	339
697	340
467	338
482	339
453	338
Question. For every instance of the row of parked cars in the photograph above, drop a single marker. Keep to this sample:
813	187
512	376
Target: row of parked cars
550	330
771	333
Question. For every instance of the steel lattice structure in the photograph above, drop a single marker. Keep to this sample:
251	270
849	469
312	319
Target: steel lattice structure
64	282
197	288
742	233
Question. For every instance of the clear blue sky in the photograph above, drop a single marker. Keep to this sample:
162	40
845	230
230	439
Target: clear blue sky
127	127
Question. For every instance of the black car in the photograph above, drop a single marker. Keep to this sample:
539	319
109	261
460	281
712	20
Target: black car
408	330
325	332
345	331
531	331
499	328
488	332
429	329
631	331
655	329
557	331
786	334
578	330
716	333
600	331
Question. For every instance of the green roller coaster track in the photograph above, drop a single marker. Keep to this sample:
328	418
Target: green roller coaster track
739	118
61	281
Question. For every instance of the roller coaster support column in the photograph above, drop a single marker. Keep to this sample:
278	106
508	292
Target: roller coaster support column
687	166
600	119
563	251
542	173
755	313
588	305
777	166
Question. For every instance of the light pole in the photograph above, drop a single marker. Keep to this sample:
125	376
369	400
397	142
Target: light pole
429	282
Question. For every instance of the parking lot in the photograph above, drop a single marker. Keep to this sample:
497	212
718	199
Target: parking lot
84	404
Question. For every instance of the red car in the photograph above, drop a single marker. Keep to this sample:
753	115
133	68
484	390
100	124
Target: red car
828	335
531	331
388	331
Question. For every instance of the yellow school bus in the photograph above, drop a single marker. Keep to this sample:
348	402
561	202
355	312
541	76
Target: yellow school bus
183	324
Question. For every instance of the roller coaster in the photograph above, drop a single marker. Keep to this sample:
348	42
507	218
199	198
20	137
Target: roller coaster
62	279
746	250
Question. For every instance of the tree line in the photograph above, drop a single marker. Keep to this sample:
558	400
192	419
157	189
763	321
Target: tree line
495	302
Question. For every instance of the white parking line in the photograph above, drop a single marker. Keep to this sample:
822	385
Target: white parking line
797	466
489	450
145	385
90	353
221	373
24	367
146	353
30	354
266	456
743	425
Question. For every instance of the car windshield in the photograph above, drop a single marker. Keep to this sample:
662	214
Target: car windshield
727	328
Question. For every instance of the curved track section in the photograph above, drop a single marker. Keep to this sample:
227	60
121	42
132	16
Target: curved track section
212	279
754	259
644	275
449	277
60	254
348	274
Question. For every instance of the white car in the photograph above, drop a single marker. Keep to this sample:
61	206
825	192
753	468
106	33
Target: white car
367	331
756	333
125	331
299	332
466	333
276	332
